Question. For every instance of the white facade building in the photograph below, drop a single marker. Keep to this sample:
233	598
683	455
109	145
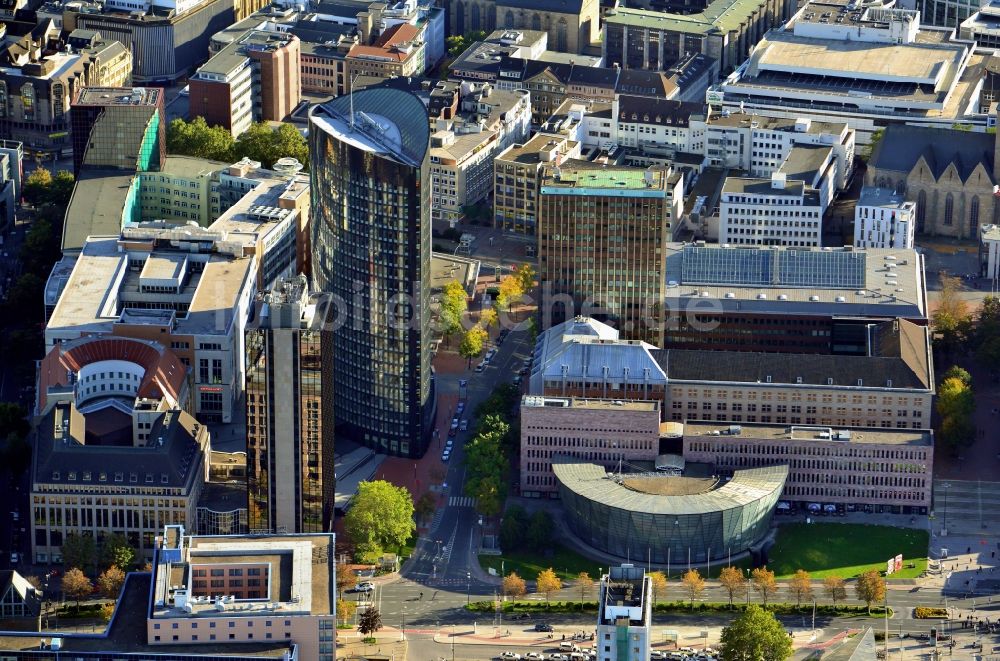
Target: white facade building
770	212
989	251
883	219
624	617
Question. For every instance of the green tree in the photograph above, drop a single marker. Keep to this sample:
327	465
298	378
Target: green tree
513	527
13	419
76	585
426	505
61	189
116	551
458	44
755	636
41	248
693	584
540	528
78	550
197	138
472	344
35	189
955	406
487	465
381	514
547	582
956	372
869	149
264	143
346	610
732	581
988	352
801	586
510	294
454	303
110	582
488	318
369	621
835	588
107	610
870	588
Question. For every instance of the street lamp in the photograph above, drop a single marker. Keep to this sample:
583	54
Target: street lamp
468	587
944	525
748	587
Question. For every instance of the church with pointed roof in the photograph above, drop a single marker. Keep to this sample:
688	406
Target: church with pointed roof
949	173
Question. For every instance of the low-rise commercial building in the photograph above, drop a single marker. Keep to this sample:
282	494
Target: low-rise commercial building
890	385
118	128
397	53
517	173
989	252
116	449
983	26
861	467
254	78
603	431
883	219
245	587
11	169
869	66
625	615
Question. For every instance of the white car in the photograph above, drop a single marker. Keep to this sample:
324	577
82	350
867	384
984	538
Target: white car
534	656
481	366
510	655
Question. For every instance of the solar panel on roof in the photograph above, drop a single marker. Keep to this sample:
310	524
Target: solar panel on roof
763	267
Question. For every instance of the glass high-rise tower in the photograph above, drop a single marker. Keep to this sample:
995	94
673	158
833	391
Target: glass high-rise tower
371	239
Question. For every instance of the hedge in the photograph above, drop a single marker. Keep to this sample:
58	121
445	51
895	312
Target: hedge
675	607
929	612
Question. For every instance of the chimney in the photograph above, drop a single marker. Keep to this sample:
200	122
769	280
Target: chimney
778	181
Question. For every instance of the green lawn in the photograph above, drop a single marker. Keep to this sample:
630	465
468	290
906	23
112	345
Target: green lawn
566	563
846	549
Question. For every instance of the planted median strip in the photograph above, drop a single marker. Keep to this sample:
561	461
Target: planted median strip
673	607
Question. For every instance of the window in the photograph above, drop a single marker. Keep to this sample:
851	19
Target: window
974	216
949	210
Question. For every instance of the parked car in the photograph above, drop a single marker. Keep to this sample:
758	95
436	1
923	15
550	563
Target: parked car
517	380
446	455
15	558
510	655
544	627
454	423
481	366
534	656
463	425
460	408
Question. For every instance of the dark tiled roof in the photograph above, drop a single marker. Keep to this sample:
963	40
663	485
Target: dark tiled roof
593	76
902	145
644	83
659	111
555	6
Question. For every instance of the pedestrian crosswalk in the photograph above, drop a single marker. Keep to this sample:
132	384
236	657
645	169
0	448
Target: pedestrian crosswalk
461	501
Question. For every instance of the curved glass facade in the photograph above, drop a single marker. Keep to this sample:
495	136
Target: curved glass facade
626	523
371	240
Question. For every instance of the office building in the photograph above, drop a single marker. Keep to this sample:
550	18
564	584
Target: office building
189	291
625	615
370	176
289	406
890	384
254	78
118	128
982	26
601	238
770	212
477	124
11	174
252	589
397	53
166	42
725	31
951	14
117	450
665	517
989	252
603	431
517	172
949	174
887	470
776	299
37	87
883	219
853	50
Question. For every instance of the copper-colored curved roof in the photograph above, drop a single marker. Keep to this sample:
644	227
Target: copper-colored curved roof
164	373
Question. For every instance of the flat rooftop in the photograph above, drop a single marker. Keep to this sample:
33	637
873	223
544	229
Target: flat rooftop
299	578
532	401
764	123
188	166
91	298
445	268
872	196
762	186
96	207
118	96
530	152
877	282
805	162
764	432
720	15
609	180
